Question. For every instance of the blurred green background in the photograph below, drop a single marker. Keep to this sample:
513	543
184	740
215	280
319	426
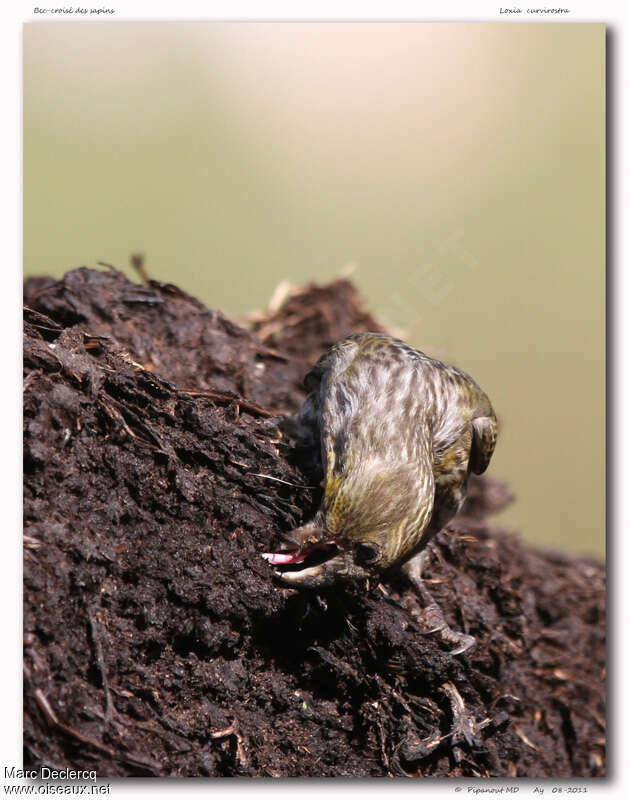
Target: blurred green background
459	167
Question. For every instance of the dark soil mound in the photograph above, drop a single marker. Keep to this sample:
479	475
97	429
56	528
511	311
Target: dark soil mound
156	641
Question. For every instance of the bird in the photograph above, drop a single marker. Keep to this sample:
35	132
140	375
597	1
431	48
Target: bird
397	434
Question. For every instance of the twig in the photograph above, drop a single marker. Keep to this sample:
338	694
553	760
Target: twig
245	405
30	378
100	661
120	412
137	262
53	720
464	726
520	733
279	480
271	352
232	730
223	733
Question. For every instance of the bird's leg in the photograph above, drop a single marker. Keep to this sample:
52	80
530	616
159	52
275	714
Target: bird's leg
431	616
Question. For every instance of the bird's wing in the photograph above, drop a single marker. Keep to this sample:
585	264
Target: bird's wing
485	433
312	381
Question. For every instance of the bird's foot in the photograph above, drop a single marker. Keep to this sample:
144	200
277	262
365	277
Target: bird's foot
432	620
462	641
430	617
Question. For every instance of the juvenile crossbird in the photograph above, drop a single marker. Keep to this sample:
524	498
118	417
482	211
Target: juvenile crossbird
399	433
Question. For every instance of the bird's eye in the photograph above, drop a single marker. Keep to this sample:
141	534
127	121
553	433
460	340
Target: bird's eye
366	554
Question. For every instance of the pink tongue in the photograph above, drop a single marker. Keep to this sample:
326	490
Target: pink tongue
284	558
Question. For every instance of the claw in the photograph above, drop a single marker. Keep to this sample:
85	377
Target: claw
431	619
465	642
433	615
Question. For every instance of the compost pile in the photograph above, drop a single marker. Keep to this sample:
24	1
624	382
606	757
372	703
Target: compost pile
157	641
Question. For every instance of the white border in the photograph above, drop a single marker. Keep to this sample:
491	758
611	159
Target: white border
614	14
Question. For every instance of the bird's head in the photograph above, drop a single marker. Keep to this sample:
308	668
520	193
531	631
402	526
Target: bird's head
362	529
311	557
